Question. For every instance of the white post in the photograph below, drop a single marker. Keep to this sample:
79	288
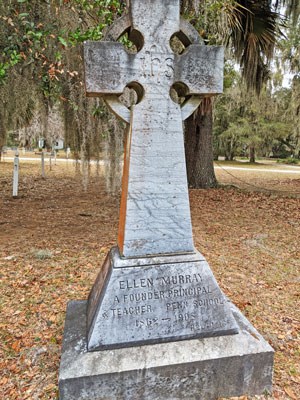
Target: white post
43	164
2	154
16	175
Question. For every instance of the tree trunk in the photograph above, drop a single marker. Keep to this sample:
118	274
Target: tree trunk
252	154
199	147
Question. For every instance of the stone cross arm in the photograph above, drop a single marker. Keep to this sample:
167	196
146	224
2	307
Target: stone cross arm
110	68
106	68
200	68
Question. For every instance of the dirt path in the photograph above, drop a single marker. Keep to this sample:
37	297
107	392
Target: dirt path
54	238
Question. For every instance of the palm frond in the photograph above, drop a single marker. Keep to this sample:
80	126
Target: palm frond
253	40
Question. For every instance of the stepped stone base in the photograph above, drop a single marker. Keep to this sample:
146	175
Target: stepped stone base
194	369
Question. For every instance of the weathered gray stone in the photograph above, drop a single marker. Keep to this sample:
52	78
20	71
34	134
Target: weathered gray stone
198	369
187	34
155	171
162	299
164	328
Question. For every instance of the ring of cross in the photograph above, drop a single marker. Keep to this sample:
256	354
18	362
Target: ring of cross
188	35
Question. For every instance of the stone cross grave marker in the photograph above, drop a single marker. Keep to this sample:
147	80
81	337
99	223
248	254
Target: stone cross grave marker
155	212
154	287
159	298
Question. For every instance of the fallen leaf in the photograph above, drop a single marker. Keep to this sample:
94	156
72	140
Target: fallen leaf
16	346
291	394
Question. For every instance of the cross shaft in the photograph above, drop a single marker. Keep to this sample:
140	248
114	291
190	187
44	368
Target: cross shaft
155	212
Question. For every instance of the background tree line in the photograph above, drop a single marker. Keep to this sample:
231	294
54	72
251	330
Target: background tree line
41	79
247	125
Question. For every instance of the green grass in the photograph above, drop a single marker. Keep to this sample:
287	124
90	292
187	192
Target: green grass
290	160
42	254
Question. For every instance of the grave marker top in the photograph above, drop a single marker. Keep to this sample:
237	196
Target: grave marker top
155	214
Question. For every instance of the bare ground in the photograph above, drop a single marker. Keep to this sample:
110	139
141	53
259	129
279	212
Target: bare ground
54	237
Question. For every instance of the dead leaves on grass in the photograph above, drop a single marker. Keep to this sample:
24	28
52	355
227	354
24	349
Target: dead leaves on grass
249	239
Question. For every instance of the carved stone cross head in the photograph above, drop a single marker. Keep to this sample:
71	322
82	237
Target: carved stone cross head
155	213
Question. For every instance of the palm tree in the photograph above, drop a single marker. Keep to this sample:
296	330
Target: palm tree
250	29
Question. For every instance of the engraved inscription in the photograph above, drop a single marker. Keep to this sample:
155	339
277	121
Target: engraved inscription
141	283
160	301
155	66
170	301
137	310
180	279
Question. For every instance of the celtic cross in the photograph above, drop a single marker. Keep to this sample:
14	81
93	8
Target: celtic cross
155	213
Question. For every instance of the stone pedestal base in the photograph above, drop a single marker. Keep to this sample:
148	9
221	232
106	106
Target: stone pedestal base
154	300
206	369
